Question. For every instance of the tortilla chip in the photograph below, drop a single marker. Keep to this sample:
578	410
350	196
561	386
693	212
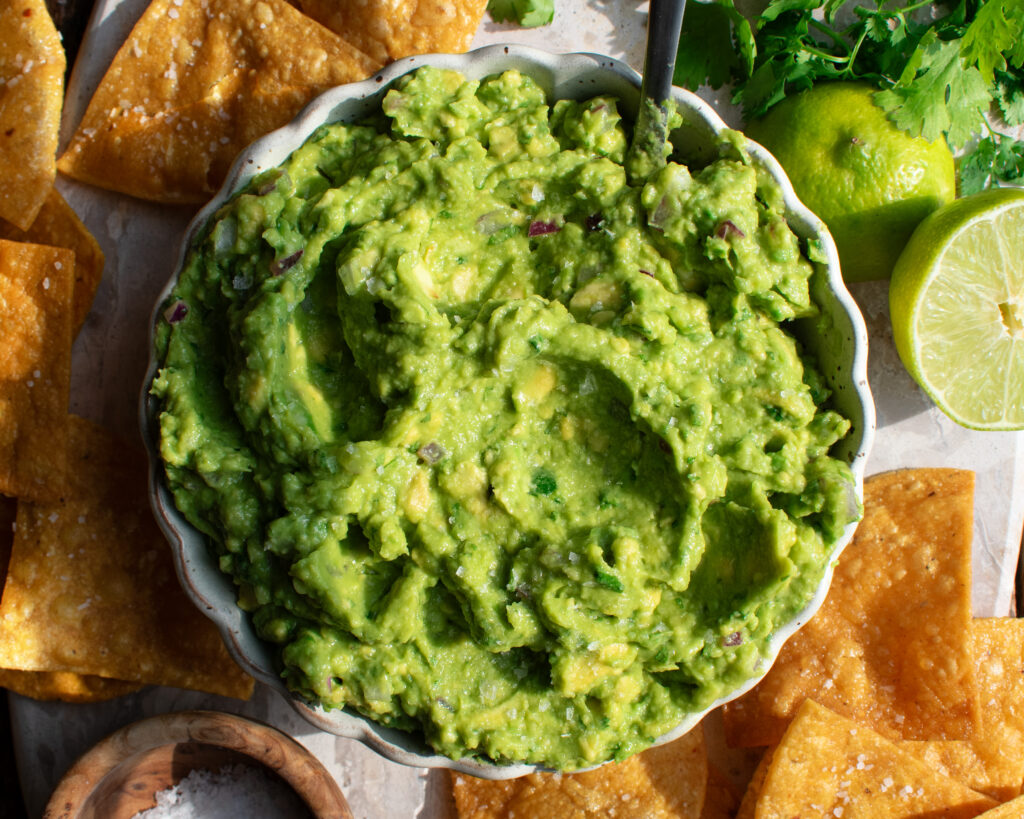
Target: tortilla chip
58	225
8	511
827	765
748	805
91	586
666	781
390	29
35	368
64	686
31	96
720	799
1013	809
890	646
992	761
195	82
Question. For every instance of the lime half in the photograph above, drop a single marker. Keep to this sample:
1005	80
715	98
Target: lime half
956	299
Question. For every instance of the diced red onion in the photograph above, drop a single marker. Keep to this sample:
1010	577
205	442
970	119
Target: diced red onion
734	639
430	453
647	272
539	228
279	266
728	230
271	184
661	214
176	312
493	221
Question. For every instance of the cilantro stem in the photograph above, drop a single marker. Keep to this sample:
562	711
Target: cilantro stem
832	58
856	48
835	36
909	9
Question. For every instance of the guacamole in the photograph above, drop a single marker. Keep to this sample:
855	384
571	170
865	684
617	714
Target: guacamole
497	447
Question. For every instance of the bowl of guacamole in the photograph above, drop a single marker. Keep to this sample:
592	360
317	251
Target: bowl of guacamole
482	451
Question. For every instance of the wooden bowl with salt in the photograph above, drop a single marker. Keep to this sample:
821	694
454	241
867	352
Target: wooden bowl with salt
122	775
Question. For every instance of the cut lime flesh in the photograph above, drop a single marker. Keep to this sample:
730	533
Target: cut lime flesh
961	283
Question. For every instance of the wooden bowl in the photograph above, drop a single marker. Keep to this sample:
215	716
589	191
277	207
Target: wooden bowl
121	775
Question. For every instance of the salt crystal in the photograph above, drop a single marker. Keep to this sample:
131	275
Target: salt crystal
237	790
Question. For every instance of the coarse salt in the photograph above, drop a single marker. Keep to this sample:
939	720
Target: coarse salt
233	791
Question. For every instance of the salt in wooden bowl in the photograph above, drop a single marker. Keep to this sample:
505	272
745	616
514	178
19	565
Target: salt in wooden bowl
122	774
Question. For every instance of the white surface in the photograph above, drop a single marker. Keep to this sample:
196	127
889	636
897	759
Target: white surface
109	362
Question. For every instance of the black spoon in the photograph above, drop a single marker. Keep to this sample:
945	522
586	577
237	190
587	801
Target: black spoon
650	134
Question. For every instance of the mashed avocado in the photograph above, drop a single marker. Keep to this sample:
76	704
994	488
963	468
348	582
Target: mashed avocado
498	448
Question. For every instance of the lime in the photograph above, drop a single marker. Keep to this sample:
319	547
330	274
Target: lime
956	299
870	182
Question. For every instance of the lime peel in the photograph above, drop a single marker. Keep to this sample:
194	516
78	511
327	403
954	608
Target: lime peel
870	182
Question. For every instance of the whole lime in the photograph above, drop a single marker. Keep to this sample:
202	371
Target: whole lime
870	182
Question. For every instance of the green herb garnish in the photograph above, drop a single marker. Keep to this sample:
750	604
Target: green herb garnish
938	74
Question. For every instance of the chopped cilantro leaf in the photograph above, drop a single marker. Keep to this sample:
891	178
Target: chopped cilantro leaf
544	483
609	581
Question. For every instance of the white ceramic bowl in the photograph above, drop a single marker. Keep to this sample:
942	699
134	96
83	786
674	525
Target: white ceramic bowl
837	336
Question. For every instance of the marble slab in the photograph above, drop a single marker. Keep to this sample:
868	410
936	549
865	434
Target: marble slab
109	361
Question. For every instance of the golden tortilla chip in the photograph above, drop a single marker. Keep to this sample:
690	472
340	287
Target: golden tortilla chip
720	800
59	226
390	29
992	761
890	647
8	511
667	781
195	82
35	368
748	805
1014	809
64	686
91	586
31	95
827	765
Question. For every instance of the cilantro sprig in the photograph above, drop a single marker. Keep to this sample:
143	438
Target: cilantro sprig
940	67
527	13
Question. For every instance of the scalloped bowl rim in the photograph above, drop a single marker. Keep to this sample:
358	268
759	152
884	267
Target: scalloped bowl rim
198	573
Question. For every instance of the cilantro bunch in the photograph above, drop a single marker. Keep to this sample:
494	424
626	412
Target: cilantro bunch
939	67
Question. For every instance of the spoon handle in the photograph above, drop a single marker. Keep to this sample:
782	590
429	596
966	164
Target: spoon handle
650	133
664	23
